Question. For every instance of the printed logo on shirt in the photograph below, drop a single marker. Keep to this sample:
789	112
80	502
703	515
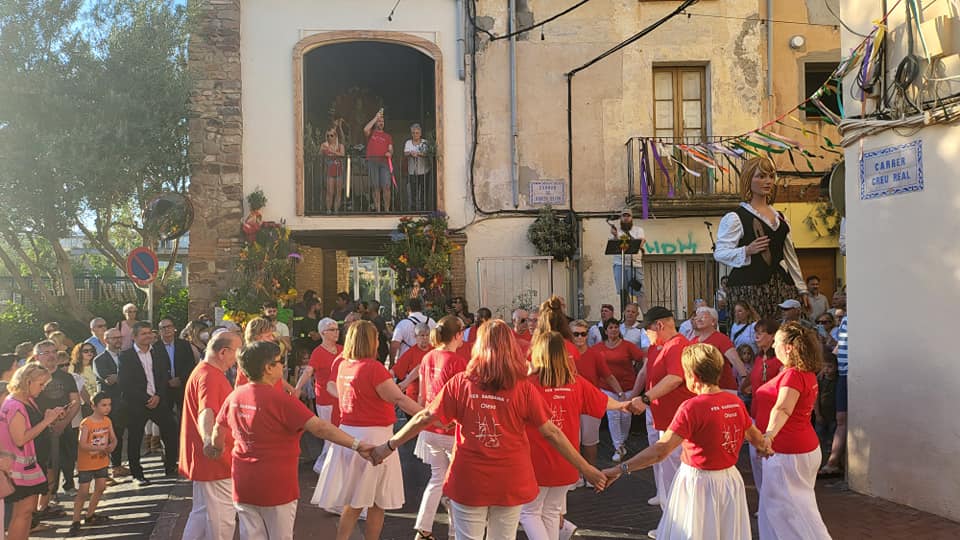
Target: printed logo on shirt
487	432
732	438
557	414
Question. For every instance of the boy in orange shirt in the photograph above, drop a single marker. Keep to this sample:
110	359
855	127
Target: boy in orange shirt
97	440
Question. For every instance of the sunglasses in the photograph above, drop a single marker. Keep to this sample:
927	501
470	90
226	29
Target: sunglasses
523	320
579	334
824	322
85	351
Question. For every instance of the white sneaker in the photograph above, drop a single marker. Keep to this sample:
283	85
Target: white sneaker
652	534
616	457
567	530
654	501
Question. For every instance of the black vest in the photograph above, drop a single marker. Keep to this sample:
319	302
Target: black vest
758	272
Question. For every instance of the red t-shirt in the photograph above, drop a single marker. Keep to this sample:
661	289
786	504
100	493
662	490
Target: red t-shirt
437	367
712	427
266	427
321	361
378	144
242	379
572	352
491	457
466	350
797	436
667	362
593	367
762	371
360	405
566	404
206	388
522	336
727	379
620	361
409	361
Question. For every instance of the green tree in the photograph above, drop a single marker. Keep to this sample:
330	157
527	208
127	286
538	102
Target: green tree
92	125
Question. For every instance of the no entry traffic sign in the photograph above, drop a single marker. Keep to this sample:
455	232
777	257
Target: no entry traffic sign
142	266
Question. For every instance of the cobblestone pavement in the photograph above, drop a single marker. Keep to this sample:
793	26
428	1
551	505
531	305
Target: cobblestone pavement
159	512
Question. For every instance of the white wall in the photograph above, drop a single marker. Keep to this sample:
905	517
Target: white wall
903	267
270	29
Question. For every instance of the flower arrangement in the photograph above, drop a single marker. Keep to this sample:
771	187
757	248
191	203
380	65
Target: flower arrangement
553	235
419	252
264	267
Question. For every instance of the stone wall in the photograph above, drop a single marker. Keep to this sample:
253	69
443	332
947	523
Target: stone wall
216	129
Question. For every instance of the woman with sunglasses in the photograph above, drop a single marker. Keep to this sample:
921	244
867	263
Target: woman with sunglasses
81	363
333	156
593	367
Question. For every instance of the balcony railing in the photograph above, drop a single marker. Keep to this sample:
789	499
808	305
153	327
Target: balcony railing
721	182
344	186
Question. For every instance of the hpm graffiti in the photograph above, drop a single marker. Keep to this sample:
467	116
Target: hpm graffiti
657	247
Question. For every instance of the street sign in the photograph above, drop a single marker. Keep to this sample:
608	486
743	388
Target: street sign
142	266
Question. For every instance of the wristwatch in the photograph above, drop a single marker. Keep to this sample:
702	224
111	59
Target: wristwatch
355	445
625	469
645	398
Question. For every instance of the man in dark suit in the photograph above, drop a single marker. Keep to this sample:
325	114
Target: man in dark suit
144	385
177	357
106	366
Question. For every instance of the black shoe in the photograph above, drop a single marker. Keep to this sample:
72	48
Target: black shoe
141	481
74	529
96	519
171	474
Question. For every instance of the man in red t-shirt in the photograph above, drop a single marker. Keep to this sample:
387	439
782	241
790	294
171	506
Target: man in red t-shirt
665	388
379	152
520	329
705	331
213	515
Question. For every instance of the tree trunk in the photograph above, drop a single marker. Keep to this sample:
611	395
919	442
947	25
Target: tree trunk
70	298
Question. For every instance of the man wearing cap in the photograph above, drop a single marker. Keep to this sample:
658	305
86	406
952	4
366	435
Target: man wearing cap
596	334
791	310
665	389
633	271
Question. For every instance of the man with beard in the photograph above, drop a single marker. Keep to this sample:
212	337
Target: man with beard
630	268
269	313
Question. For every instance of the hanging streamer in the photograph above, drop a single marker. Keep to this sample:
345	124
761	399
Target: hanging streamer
644	188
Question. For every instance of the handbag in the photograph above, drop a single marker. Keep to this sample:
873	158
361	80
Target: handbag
6	485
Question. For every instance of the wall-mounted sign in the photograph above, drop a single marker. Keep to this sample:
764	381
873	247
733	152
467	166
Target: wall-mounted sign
891	170
549	192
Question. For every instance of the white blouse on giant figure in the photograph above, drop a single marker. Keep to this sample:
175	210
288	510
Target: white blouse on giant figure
731	254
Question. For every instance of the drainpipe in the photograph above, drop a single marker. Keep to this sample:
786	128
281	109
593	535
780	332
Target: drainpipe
514	155
461	69
770	104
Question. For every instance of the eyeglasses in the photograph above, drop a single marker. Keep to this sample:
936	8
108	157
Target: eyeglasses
522	321
824	321
275	362
579	334
88	351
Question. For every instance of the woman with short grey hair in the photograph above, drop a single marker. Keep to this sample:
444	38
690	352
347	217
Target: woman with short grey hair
418	170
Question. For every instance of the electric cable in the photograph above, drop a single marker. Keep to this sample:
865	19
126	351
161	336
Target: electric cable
843	24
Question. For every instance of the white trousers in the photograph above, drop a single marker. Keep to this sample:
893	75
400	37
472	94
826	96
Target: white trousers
756	467
541	517
499	522
652	437
788	503
668	470
267	522
440	448
619	423
213	516
325	412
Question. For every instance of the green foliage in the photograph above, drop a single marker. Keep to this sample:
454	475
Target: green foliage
256	199
173	305
264	270
823	219
17	324
419	252
553	235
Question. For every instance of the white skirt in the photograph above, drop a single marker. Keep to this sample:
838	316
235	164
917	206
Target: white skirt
706	505
788	502
426	439
347	479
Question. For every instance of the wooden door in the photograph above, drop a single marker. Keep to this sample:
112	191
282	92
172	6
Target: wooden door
822	263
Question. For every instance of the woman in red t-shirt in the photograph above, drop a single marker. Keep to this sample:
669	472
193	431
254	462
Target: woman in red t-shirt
321	362
567	395
788	503
260	329
435	444
492	402
367	395
620	356
553	318
765	367
407	368
267	426
592	367
707	497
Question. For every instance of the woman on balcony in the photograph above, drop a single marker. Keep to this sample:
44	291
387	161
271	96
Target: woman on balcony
755	241
333	153
418	170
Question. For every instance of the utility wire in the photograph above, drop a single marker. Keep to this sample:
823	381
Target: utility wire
757	19
837	17
494	37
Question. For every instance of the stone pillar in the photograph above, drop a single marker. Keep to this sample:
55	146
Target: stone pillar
216	130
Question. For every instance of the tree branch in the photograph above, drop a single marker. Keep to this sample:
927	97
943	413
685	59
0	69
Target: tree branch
102	246
22	284
35	271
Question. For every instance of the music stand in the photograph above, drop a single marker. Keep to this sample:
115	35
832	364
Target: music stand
632	248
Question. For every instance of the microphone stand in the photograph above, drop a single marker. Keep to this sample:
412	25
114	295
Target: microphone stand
716	268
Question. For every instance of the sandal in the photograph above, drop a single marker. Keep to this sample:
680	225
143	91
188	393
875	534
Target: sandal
828	471
96	519
422	535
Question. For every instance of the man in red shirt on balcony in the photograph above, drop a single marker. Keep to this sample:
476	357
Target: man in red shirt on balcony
379	150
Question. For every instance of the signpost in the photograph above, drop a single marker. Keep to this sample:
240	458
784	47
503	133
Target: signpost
142	268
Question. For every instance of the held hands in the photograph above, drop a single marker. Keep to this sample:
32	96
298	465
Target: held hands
380	453
597	478
761	244
765	450
366	452
637	406
612	474
212	451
